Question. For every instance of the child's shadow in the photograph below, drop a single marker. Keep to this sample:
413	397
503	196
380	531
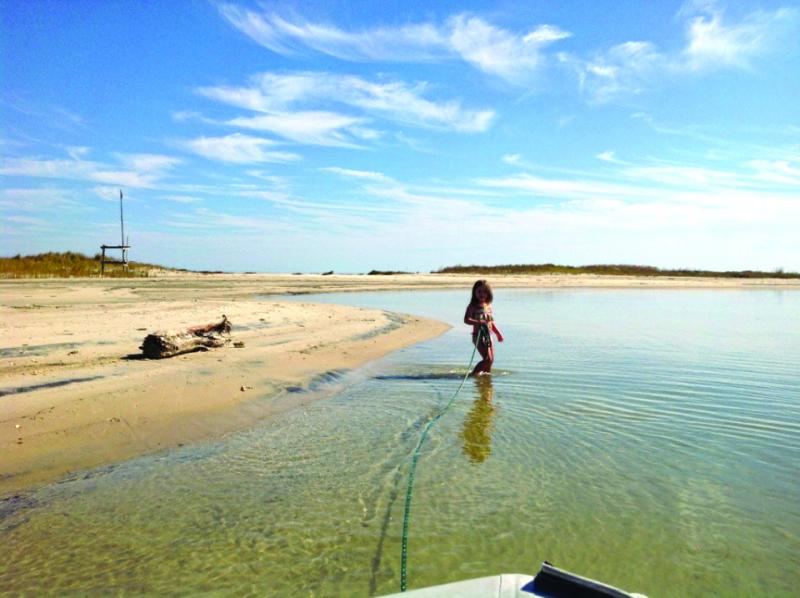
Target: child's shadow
478	423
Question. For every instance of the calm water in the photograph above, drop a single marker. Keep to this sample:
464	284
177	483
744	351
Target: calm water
650	439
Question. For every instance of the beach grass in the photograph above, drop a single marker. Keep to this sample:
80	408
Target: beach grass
613	270
68	264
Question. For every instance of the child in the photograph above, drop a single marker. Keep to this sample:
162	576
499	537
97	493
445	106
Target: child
479	316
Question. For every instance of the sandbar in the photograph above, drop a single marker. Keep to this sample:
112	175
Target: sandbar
75	394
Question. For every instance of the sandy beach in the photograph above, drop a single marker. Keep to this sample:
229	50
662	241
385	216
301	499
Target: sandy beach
75	393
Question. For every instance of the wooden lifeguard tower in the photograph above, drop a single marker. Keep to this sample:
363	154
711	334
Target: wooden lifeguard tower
124	245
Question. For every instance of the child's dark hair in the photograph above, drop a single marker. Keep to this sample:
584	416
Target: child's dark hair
478	284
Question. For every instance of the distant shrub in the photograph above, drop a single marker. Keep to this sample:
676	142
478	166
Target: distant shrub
385	272
611	269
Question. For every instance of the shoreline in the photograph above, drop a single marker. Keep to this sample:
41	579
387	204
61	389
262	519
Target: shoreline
75	394
164	285
71	347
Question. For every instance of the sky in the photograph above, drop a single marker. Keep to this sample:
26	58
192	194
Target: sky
350	136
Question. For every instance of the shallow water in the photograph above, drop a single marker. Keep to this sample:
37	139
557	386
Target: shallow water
650	439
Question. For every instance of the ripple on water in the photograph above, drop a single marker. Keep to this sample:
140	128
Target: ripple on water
651	446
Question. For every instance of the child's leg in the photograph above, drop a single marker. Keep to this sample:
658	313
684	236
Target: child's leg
481	365
488	360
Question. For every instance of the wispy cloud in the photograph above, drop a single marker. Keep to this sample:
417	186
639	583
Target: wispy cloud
607	156
26	221
88	170
627	68
660	180
55	116
148	162
511	56
496	51
181	198
109	193
78	152
547	208
306	127
784	172
238	148
712	42
357	174
276	94
551	188
679	175
36	199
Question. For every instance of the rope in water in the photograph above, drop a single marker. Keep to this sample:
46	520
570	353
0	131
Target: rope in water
415	458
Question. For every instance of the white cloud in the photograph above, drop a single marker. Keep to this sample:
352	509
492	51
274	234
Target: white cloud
148	162
52	116
512	159
398	101
124	178
139	170
357	174
545	34
35	199
24	220
736	194
181	198
499	52
629	67
238	148
309	127
561	188
588	209
777	171
275	181
366	133
77	152
682	176
274	94
77	170
712	43
107	193
606	156
511	56
411	42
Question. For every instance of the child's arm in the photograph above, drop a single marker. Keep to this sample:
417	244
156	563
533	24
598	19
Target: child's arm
468	319
497	332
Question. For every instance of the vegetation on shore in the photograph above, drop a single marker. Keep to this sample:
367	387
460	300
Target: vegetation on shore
385	272
68	264
612	269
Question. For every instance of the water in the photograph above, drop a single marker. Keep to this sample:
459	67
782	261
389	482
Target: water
650	439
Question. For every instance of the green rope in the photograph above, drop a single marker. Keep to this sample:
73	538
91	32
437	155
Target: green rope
415	458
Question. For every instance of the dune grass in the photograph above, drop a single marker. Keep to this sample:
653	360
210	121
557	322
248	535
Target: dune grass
67	264
612	269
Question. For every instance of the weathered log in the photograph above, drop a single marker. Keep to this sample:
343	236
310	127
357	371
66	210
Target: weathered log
222	327
168	343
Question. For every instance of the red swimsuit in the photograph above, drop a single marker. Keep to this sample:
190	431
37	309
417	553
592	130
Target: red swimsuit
482	313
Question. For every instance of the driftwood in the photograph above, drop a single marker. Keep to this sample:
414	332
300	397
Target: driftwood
168	343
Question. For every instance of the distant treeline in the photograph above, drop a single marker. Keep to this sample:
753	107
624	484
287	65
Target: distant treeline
611	269
385	272
67	264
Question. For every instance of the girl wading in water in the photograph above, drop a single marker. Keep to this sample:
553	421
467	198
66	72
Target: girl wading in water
479	316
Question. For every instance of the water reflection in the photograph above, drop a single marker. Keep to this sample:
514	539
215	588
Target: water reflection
477	431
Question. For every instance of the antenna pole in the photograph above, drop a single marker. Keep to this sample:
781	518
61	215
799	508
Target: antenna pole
121	220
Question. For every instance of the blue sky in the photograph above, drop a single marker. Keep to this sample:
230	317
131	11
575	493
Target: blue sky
403	135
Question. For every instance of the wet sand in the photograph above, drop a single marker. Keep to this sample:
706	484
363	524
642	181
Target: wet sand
75	394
